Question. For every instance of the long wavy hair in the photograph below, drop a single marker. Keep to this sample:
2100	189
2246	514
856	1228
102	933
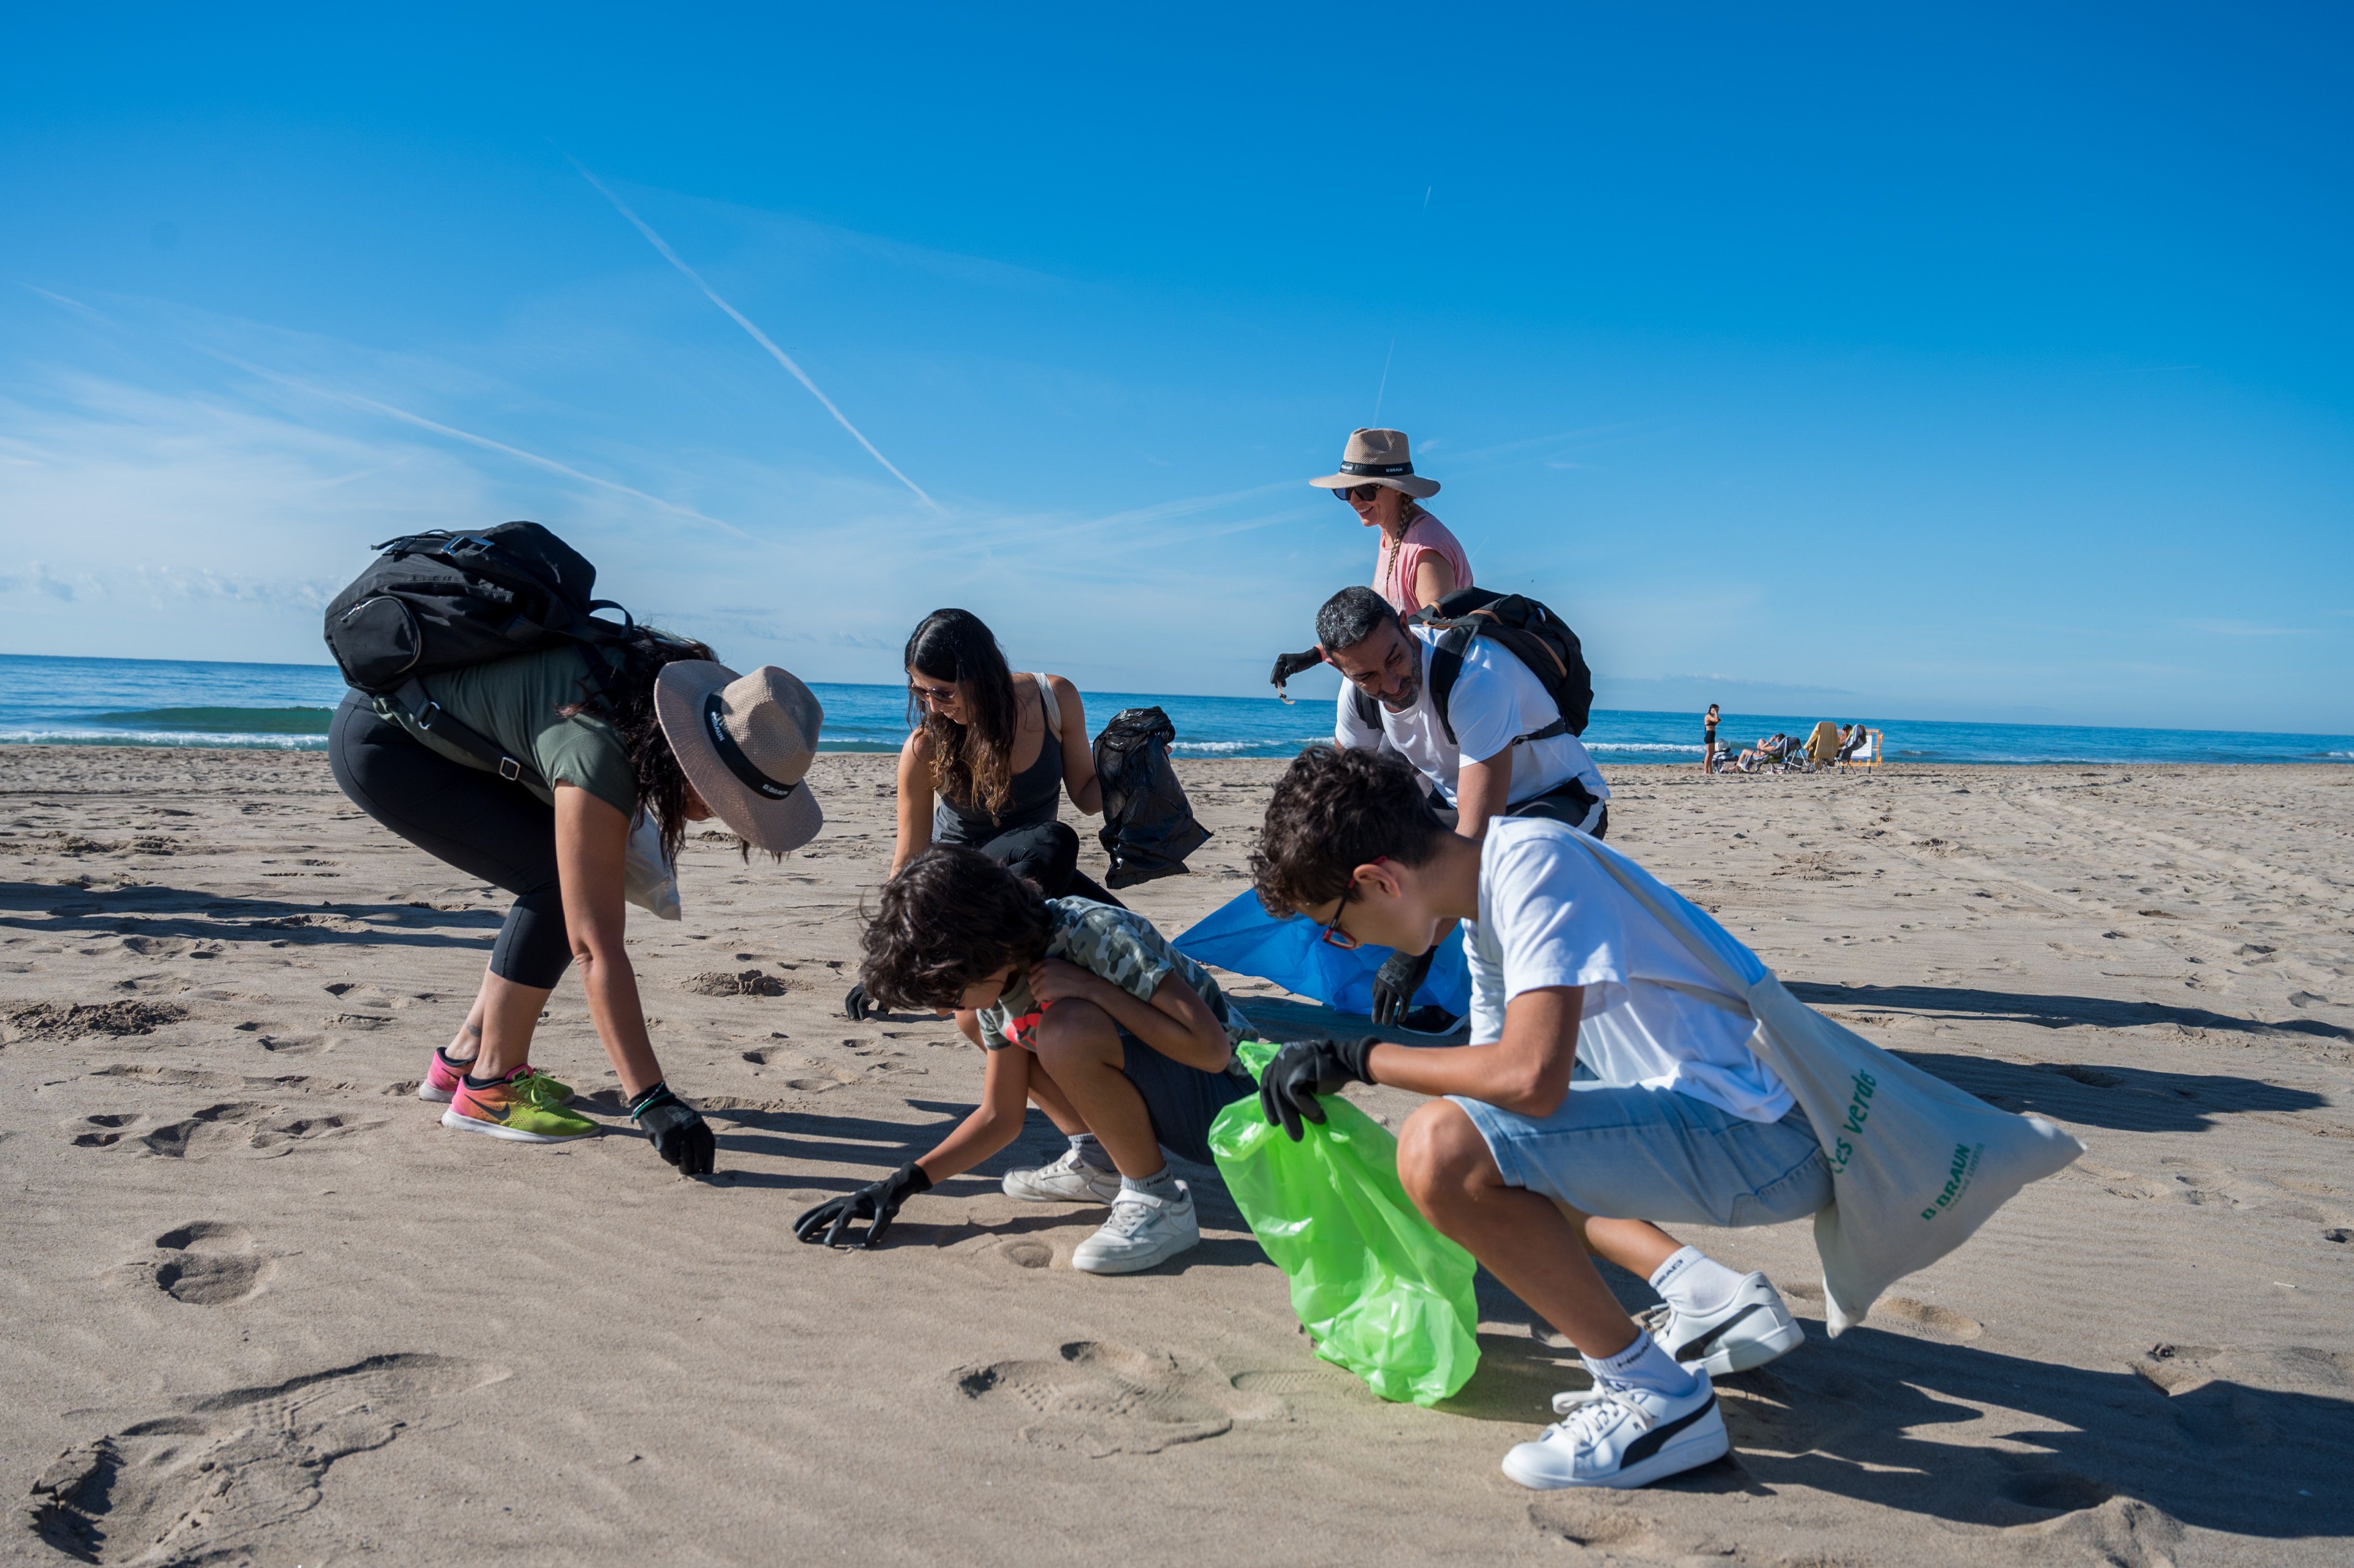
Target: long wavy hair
972	764
620	689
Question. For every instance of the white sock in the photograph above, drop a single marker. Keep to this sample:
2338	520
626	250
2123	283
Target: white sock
1161	1183
1642	1364
1091	1152
1695	1284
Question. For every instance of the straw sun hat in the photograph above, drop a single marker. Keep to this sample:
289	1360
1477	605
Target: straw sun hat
1378	457
746	743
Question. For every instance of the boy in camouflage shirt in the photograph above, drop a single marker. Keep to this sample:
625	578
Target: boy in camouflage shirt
1085	1010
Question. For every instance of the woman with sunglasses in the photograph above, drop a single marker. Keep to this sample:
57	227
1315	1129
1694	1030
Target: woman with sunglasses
990	757
1419	561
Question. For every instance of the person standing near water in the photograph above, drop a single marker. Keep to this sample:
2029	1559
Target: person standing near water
1708	741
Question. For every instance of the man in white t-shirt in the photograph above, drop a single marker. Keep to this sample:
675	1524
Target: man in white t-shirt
1478	755
1601	1092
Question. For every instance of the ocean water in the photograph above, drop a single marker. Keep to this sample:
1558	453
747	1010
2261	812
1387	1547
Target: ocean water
143	702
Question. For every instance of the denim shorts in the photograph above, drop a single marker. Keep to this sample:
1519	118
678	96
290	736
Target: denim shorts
1183	1101
1630	1153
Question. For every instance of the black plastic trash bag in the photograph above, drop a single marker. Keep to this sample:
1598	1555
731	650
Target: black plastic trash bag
1149	827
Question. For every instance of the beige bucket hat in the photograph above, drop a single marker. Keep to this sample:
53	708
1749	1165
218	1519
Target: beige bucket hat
746	743
1378	457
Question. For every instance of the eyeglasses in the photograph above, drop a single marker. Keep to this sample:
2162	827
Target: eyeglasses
1335	936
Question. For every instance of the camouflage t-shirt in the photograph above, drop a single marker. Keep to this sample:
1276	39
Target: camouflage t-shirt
1122	946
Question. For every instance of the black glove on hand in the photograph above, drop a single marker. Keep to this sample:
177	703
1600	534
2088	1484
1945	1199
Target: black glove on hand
1301	1071
1290	664
855	1006
1396	981
680	1134
876	1203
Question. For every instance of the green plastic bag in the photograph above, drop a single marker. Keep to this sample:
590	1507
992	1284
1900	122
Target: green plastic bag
1384	1295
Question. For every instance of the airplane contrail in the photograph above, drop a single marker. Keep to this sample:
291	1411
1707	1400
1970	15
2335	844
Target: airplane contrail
778	354
419	420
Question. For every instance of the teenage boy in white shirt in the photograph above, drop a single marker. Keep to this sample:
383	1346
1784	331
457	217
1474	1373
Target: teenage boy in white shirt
1534	1173
1488	768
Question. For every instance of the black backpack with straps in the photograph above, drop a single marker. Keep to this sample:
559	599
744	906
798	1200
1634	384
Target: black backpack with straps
445	600
1527	629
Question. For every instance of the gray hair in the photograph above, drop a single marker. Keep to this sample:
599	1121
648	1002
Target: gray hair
1350	617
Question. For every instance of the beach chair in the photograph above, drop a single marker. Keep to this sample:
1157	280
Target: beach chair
1864	756
1822	747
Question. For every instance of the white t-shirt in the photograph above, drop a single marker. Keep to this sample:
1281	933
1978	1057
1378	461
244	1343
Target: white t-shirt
1496	700
1550	916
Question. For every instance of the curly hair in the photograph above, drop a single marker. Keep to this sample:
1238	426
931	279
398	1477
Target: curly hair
972	765
949	921
1333	811
620	689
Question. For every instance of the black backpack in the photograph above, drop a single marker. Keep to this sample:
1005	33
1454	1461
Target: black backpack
443	600
1522	627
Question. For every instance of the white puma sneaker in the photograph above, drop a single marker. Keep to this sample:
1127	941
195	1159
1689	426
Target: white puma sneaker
1622	1437
1069	1179
1143	1230
1749	1330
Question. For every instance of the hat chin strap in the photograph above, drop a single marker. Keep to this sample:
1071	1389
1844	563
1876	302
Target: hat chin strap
715	724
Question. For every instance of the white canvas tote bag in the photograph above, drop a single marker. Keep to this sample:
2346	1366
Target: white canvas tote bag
1916	1164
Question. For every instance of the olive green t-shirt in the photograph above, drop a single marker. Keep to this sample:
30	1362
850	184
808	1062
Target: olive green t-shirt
517	702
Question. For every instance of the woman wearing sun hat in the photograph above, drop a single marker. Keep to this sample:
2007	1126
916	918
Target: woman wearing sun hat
1418	562
592	738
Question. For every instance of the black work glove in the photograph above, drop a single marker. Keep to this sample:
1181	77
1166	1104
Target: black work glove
680	1134
855	1006
1396	981
1290	664
1305	1069
877	1204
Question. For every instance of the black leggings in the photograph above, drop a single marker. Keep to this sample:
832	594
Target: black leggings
1046	853
482	824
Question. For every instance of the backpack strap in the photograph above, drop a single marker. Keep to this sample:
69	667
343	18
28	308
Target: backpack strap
1446	668
1368	713
1053	709
430	715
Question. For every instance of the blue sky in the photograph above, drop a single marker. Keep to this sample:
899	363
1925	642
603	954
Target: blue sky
1987	363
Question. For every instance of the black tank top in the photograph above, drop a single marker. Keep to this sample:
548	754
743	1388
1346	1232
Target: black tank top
1032	796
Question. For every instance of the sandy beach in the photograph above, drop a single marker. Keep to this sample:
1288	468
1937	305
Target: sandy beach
259	1305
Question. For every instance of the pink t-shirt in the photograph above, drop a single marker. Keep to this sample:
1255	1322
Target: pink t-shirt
1394	571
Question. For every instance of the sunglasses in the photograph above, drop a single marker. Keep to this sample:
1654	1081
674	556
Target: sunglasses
1357	492
934	696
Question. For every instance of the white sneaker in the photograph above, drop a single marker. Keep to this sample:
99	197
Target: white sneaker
1143	1231
1622	1437
1069	1179
1747	1331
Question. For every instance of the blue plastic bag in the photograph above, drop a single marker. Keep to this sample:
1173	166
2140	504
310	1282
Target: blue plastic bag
1243	938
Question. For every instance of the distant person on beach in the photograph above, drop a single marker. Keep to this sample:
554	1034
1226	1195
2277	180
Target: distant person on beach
1418	562
1535	1168
989	756
1708	741
1853	740
1126	1044
651	724
1481	758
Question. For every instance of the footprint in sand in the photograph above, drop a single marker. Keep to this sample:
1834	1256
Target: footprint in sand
204	1132
1100	1399
209	1263
213	1479
1943	1322
103	1131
